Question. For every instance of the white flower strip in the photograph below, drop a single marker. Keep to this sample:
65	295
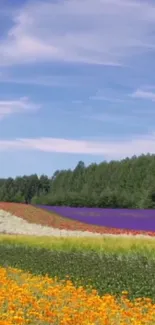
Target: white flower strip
11	224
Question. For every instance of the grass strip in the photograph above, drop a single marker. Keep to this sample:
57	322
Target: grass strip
120	245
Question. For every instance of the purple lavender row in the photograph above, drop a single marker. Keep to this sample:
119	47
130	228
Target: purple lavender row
133	219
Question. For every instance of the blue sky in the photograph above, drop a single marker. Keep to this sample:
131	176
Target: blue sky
77	82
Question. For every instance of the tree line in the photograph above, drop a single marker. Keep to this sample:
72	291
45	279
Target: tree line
129	183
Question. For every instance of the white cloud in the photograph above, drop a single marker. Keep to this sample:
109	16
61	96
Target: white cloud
142	94
92	31
115	149
9	107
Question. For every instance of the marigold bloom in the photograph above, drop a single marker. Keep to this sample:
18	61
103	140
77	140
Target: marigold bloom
41	300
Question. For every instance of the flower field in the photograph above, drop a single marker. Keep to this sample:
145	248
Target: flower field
54	220
132	219
27	299
105	278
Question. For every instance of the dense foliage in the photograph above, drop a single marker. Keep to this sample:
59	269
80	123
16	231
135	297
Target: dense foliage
106	272
128	183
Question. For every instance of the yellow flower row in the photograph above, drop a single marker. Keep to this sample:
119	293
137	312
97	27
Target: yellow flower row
28	299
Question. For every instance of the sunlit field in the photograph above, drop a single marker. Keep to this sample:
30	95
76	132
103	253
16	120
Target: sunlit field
27	299
65	279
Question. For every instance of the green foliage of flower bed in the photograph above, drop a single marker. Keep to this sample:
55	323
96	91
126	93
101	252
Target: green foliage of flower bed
107	272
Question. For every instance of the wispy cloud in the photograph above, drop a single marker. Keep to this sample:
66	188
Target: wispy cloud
115	118
100	96
45	81
100	32
107	99
109	149
142	94
9	107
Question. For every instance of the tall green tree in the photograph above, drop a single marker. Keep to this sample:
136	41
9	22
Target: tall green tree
129	183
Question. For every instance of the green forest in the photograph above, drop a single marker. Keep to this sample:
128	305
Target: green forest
129	183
